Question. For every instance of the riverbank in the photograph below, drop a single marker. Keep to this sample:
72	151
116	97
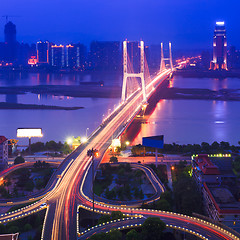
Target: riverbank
204	94
93	91
199	73
20	106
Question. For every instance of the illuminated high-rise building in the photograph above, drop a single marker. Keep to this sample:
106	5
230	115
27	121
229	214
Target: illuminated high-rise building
57	55
219	47
75	56
43	52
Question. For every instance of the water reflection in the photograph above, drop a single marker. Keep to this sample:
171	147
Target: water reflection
43	78
219	110
206	83
195	121
181	121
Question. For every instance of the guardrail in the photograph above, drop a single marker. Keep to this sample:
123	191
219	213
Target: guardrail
217	223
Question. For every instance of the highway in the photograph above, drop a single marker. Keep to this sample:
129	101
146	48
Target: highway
64	194
61	220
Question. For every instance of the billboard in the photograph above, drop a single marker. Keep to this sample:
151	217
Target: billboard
154	141
29	132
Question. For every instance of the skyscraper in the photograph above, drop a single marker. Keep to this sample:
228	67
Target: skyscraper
105	55
43	52
10	42
75	56
57	55
219	47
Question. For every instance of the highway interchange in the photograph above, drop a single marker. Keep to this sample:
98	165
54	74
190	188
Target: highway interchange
70	186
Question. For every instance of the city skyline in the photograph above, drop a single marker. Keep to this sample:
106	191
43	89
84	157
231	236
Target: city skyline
151	21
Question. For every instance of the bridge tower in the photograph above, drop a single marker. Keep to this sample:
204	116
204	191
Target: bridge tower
162	65
127	75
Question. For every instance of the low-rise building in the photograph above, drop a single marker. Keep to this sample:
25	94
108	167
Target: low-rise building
3	153
219	188
221	205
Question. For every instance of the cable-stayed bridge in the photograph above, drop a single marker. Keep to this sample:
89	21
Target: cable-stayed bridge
71	185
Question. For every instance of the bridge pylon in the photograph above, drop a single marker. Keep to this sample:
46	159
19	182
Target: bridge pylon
127	75
163	59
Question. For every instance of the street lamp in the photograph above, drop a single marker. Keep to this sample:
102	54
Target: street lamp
93	153
87	131
69	141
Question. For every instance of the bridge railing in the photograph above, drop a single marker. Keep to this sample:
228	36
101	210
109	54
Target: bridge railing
237	234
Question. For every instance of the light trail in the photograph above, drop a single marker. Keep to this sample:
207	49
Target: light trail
60	218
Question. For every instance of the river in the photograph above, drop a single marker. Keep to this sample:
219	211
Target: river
180	121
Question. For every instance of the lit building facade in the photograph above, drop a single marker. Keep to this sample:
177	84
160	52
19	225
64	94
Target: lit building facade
219	61
43	52
75	56
217	183
57	56
3	152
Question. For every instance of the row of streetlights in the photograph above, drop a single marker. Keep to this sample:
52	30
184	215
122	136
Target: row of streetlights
83	139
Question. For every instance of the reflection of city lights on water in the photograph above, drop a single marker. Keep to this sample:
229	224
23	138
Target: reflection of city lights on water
219	122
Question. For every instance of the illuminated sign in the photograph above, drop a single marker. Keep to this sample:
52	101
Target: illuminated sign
116	143
220	23
29	132
32	61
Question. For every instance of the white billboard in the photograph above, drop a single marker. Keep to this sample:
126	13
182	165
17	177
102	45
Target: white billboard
29	132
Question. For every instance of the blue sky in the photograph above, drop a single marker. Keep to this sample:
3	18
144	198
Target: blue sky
189	24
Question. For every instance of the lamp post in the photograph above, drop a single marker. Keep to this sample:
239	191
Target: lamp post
87	132
92	153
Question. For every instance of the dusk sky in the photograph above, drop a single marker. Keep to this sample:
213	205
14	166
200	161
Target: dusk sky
188	24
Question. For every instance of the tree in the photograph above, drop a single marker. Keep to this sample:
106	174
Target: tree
65	149
27	227
127	191
168	236
116	215
110	194
114	234
224	145
187	197
29	185
205	146
99	236
13	229
236	164
132	235
113	159
153	228
2	228
137	150
18	160
52	146
37	147
163	205
128	167
215	145
104	219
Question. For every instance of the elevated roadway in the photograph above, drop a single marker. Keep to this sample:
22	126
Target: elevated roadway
65	193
